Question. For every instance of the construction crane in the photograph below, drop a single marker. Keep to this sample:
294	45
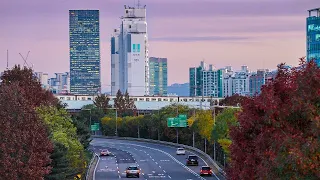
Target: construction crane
25	59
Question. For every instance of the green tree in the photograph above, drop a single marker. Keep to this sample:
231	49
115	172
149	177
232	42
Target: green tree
60	164
63	131
221	131
204	124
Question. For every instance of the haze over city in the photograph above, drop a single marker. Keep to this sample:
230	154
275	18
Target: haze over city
221	32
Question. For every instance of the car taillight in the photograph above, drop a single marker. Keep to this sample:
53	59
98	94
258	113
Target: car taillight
138	171
127	171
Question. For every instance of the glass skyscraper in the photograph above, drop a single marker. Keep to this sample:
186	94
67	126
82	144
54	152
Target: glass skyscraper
84	36
313	35
158	76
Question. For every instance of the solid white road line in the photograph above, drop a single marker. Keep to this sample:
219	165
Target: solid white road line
95	168
174	159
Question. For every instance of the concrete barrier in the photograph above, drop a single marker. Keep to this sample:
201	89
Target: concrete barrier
92	165
206	157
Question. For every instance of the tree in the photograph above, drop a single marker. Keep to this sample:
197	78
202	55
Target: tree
204	123
278	132
125	106
234	100
60	163
221	131
32	90
63	131
24	145
102	102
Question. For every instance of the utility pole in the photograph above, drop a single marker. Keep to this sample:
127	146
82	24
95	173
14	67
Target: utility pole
177	128
214	144
116	122
194	116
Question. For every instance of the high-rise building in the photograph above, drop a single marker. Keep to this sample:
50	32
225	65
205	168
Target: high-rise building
256	81
84	35
236	82
129	53
60	84
43	79
313	35
158	76
206	81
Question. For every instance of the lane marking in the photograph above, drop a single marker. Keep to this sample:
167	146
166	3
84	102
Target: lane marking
169	176
174	159
95	168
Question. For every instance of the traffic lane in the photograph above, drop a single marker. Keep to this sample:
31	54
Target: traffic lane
107	167
182	158
176	171
168	149
158	165
146	159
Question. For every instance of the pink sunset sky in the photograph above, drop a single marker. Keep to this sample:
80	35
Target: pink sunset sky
257	33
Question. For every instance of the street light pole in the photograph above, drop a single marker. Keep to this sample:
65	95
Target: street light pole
116	122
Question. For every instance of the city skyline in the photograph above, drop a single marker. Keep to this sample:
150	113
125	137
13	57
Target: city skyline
263	38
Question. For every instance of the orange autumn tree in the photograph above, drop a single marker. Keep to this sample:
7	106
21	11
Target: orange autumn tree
278	136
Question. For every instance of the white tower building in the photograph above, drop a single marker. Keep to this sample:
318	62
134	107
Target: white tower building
129	54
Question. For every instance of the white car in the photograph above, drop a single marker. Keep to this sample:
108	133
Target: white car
181	151
105	152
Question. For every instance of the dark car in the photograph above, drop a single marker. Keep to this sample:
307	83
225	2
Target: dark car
132	171
192	160
205	170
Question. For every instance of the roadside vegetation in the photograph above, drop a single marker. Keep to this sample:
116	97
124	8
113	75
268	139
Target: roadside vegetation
39	139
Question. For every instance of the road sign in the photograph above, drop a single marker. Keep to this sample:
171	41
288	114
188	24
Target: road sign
180	121
182	116
94	127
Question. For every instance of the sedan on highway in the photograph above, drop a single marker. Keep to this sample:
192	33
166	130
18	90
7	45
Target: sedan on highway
205	170
192	160
181	151
132	171
105	152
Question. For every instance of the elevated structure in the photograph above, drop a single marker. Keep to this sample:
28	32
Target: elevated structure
313	35
129	53
143	103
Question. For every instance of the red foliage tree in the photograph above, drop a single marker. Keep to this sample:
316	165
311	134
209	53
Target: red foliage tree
279	130
33	92
234	100
24	144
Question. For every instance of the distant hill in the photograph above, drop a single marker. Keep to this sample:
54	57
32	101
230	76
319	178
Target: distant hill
179	89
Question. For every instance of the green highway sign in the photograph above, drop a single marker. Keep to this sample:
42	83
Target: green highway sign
180	121
95	127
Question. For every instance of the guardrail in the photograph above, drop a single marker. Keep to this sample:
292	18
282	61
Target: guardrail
89	174
196	150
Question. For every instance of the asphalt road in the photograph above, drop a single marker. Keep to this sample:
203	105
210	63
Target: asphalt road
155	161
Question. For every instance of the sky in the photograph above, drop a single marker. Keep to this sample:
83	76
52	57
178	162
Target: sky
256	33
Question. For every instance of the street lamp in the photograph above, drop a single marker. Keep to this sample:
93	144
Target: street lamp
116	119
214	119
90	117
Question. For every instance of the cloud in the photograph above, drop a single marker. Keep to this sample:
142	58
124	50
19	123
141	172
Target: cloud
201	38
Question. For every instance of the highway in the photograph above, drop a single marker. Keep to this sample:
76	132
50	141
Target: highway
155	161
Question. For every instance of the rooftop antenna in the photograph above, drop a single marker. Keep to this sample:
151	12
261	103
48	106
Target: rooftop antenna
7	59
25	59
138	4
